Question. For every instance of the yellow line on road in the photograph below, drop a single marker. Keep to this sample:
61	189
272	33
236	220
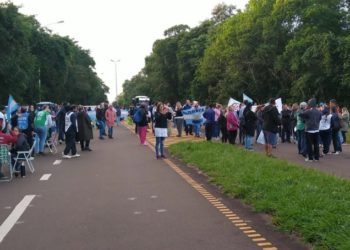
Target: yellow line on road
247	230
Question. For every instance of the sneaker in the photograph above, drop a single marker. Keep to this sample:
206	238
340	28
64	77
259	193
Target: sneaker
88	149
307	159
337	153
144	144
66	156
76	155
163	156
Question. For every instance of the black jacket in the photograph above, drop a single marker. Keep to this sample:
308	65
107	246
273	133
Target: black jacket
250	121
161	120
271	119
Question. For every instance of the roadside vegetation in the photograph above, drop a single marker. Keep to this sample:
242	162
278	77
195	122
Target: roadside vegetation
306	202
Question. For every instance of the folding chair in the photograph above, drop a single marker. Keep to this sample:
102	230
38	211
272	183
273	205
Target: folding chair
52	142
5	160
26	156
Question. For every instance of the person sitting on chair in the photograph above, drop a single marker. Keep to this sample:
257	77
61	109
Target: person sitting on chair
5	139
20	145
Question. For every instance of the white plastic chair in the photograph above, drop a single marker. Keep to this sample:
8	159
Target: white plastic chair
26	156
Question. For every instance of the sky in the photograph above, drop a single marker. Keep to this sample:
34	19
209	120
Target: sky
119	30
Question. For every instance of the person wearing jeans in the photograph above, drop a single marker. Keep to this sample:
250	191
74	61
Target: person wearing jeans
161	118
110	117
42	122
209	115
300	130
312	118
100	117
250	126
143	125
325	130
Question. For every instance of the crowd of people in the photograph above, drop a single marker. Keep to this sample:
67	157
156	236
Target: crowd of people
37	128
308	125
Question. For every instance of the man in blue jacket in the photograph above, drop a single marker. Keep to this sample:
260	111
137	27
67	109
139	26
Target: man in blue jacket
209	115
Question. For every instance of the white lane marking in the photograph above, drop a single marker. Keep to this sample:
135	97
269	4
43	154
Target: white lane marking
45	177
161	210
137	212
57	162
7	208
14	216
154	197
132	198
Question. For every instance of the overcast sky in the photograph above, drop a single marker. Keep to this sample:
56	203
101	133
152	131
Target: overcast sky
117	29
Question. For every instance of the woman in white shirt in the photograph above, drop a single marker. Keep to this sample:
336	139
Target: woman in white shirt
325	130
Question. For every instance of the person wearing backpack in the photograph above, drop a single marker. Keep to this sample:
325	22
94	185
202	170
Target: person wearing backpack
42	122
142	123
336	126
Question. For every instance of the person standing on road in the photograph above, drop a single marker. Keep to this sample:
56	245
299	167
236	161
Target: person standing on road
312	118
336	126
100	117
232	125
60	119
325	130
111	117
188	127
179	119
70	132
209	115
143	124
345	123
42	122
250	126
161	118
286	123
300	130
270	126
84	129
223	125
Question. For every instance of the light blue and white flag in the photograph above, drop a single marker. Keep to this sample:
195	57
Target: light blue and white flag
12	106
247	98
193	115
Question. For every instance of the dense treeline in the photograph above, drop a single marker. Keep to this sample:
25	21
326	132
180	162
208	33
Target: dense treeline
29	53
291	49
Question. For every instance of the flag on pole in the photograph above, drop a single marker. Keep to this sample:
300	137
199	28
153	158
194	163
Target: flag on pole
247	98
232	101
12	106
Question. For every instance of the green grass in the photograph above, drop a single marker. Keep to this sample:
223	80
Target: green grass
306	202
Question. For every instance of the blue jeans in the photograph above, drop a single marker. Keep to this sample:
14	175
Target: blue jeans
110	131
248	142
40	138
216	129
102	127
302	149
197	128
160	146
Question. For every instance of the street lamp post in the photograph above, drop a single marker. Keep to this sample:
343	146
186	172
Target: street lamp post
39	70
116	78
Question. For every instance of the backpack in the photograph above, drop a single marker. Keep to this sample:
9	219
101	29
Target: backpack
137	117
22	121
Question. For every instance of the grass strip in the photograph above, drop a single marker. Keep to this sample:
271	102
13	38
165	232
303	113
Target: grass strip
306	202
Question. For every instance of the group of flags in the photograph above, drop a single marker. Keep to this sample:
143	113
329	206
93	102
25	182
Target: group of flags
236	104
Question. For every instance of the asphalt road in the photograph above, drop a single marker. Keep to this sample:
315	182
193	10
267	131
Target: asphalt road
120	197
